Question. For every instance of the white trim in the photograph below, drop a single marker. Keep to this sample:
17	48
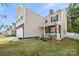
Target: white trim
44	31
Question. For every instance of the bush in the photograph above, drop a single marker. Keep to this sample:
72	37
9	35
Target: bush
44	39
52	37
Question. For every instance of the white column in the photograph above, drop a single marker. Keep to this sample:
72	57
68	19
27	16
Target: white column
44	31
58	35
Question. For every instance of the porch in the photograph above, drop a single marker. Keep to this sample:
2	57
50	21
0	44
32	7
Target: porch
53	31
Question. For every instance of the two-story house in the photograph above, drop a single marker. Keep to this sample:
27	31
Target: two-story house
30	24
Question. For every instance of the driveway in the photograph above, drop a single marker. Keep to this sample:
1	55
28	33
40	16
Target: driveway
9	38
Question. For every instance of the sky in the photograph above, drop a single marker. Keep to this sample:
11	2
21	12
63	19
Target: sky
40	8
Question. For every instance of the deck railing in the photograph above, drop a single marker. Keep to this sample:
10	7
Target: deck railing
47	35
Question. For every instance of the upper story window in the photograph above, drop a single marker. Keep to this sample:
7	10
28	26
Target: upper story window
51	19
46	21
56	17
21	17
18	20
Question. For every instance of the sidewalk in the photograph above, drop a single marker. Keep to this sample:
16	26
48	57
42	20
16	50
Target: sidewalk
10	38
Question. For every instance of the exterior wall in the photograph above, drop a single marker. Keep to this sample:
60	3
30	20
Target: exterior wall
19	12
20	31
52	15
31	21
63	23
48	18
58	22
32	24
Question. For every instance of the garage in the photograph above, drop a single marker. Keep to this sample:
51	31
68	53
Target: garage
19	32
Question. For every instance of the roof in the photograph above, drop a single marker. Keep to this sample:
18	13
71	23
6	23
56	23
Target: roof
53	13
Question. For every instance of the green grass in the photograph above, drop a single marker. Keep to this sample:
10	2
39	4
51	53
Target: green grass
33	47
3	36
6	36
3	42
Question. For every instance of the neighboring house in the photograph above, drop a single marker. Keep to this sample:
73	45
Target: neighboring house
30	24
11	30
13	26
5	33
1	34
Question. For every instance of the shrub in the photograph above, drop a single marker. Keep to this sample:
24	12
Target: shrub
44	39
52	37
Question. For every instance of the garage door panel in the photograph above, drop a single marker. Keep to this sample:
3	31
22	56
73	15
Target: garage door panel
19	32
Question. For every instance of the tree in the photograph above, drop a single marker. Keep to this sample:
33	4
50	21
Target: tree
3	16
5	4
73	17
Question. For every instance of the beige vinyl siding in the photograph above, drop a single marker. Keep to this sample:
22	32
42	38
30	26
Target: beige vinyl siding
64	24
20	12
32	24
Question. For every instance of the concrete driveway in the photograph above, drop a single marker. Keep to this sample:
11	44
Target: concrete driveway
9	38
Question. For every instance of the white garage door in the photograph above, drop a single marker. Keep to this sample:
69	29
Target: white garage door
19	32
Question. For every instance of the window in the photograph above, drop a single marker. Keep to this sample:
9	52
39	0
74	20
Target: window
46	21
47	29
21	17
51	19
18	19
52	30
56	17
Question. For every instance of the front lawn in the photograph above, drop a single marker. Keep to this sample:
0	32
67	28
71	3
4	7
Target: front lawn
38	47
